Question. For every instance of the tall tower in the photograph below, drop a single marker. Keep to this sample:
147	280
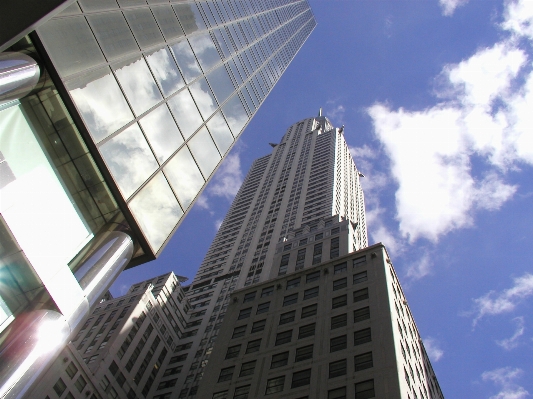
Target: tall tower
308	181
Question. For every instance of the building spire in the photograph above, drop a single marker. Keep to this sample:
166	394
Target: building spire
320	112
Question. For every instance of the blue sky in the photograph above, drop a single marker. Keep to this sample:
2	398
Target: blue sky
437	100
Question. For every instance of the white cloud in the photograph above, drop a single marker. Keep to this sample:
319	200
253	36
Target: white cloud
504	377
228	178
218	223
449	6
420	268
335	112
432	349
494	303
202	202
485	112
511	343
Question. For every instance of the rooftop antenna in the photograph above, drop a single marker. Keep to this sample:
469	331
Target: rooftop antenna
320	112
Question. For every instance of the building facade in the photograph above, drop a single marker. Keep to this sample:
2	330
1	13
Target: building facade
113	117
339	329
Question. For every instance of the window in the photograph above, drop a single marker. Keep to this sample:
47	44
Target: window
338	368
340	268
233	351
283	337
306	331
310	293
104	383
263	307
339	321
284	264
360	277
338	343
72	370
267	291
247	368
339	284
309	311
293	283
80	383
253	346
339	393
360	295
302	242
363	361
59	387
244	313
220	395
301	378
279	360
287	247
239	332
361	314
317	253
275	385
226	374
258	326
312	277
241	392
361	260
290	299
365	390
176	359
172	371
334	248
249	297
300	259
362	336
339	301
288	317
304	353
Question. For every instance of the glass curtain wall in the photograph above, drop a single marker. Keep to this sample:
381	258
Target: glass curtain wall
165	88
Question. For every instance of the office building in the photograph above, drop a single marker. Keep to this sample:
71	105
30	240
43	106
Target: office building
339	329
125	349
114	115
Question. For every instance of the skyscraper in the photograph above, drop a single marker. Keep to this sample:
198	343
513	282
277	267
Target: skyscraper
308	181
114	114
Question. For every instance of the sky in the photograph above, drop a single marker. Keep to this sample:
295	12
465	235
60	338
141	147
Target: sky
437	101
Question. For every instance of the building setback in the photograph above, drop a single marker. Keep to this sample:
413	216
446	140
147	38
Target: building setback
114	115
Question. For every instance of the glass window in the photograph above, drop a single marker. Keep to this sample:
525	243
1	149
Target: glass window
339	284
339	321
309	311
362	336
204	151
129	159
364	390
239	332
303	353
233	351
184	176
263	307
253	346
235	115
363	361
190	17
249	297
244	313
339	301
185	113
156	209
338	343
138	84
267	291
220	132
360	277
290	299
338	368
306	331
288	317
361	260
258	326
247	368
301	378
312	277
226	374
162	132
203	97
76	52
113	34
360	295
144	28
186	60
205	51
293	283
275	385
59	387
168	22
311	293
221	83
279	360
361	314
98	5
338	393
283	337
165	71
100	102
340	268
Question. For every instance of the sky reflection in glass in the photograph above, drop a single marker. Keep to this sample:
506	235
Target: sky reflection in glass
205	152
185	112
165	71
184	176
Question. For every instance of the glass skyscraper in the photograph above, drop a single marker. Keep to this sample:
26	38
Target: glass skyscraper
114	114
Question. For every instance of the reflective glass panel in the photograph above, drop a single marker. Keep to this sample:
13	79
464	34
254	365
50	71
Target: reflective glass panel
185	113
167	21
75	52
130	3
220	132
190	17
144	28
205	50
204	151
184	176
235	115
98	5
186	60
203	97
162	132
138	84
156	209
221	83
165	71
248	100
129	159
113	34
100	102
